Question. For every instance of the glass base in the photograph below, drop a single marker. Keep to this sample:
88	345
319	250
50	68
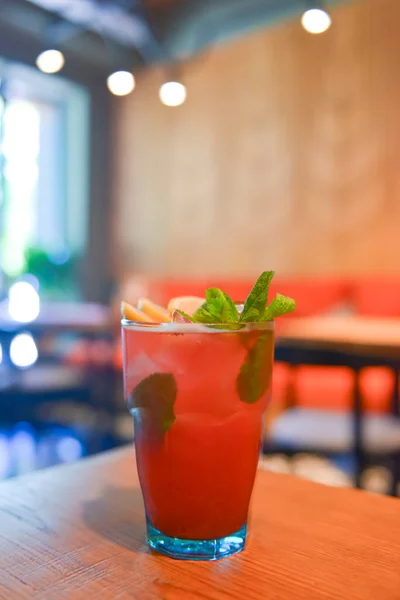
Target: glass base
181	549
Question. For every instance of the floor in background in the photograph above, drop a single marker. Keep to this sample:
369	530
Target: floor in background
335	472
24	449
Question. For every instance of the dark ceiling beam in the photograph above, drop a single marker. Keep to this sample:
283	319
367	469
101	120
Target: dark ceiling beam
108	19
24	26
106	35
19	46
129	34
60	31
194	25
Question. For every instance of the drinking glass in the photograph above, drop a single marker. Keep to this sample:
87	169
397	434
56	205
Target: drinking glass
197	394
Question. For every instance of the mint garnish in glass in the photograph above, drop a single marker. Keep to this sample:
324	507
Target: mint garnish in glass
252	381
157	393
220	308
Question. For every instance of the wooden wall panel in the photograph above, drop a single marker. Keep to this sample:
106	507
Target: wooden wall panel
286	155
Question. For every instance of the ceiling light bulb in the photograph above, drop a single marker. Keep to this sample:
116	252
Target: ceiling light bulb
121	83
172	93
50	61
316	20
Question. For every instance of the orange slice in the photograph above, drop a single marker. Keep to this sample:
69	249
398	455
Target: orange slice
189	304
133	314
157	313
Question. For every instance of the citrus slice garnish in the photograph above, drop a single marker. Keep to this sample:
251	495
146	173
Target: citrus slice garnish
188	304
156	313
133	314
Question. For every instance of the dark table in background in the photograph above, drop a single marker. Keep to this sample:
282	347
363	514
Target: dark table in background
25	393
56	317
351	341
363	337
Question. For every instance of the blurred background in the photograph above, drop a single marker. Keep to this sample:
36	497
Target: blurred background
155	147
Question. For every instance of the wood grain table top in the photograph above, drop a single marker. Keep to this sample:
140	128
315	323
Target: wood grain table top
78	532
360	335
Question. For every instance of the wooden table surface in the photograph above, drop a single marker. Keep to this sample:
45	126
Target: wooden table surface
354	334
77	532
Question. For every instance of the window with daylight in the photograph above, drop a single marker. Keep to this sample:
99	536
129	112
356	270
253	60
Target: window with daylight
44	154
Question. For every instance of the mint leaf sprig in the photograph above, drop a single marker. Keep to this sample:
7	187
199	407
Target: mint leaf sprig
254	307
220	308
156	394
280	305
254	377
255	374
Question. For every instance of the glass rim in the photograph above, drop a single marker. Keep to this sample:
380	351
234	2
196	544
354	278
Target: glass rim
198	328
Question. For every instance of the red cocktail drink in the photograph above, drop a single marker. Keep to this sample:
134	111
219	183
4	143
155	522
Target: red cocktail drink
197	395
